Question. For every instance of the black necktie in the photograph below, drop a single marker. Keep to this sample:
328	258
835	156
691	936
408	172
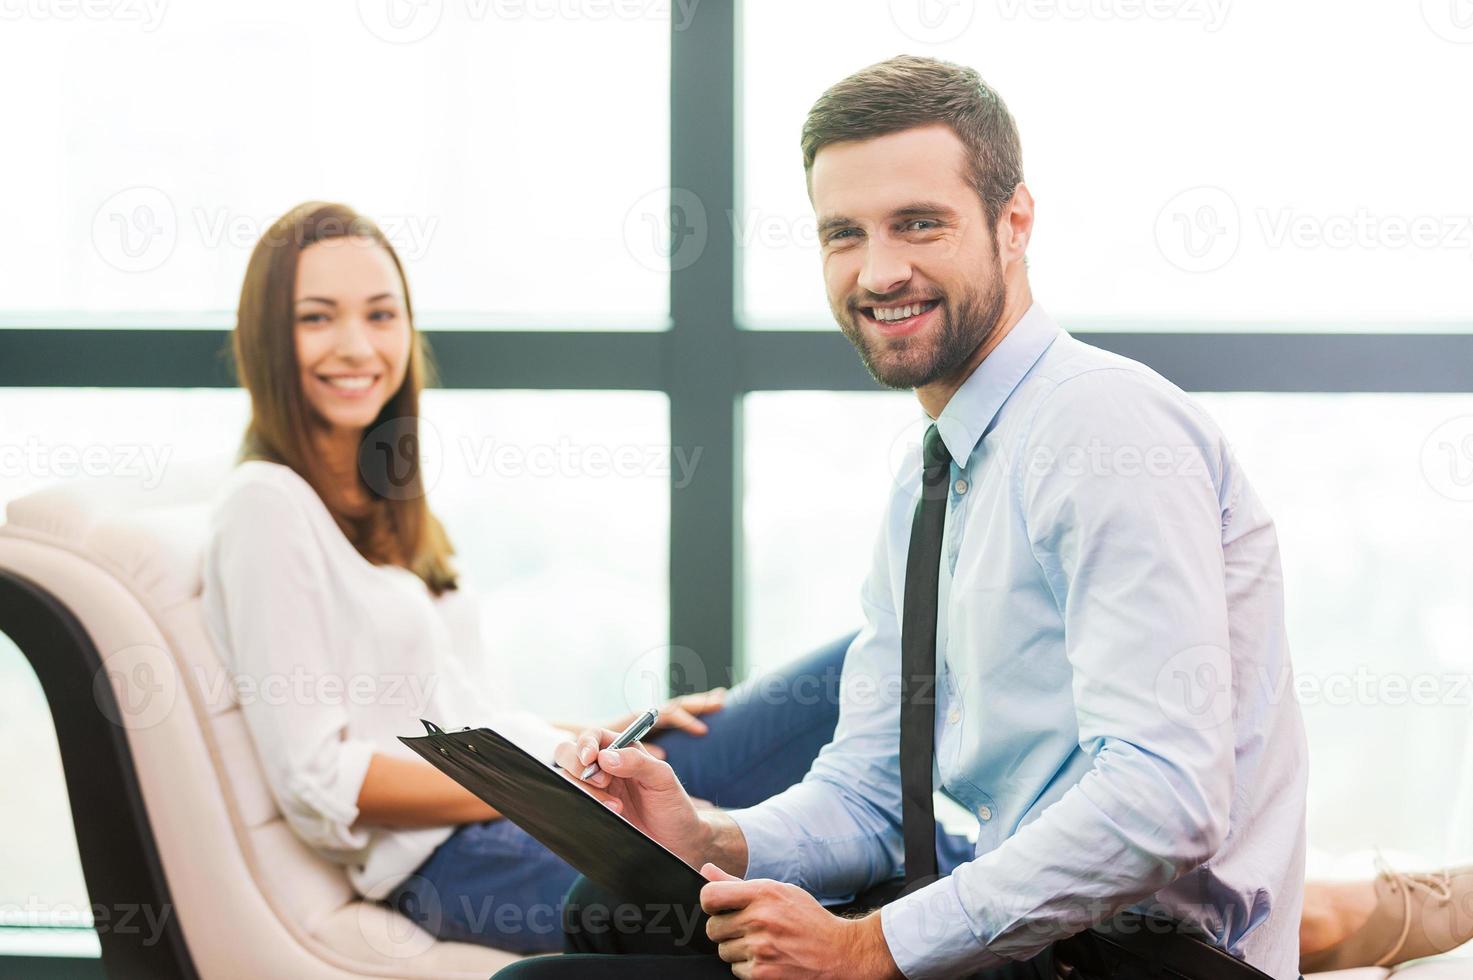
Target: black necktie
918	664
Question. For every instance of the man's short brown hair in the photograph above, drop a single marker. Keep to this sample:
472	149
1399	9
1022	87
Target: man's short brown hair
908	91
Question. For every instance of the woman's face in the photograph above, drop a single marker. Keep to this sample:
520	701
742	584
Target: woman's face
352	331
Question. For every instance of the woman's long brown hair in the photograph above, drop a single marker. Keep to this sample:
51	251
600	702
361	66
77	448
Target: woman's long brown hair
392	528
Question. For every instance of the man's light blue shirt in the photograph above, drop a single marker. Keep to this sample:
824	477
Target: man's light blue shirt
1114	694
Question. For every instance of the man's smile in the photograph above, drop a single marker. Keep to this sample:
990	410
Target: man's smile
900	319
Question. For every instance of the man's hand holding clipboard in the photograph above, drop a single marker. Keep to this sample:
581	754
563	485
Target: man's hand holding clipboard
751	921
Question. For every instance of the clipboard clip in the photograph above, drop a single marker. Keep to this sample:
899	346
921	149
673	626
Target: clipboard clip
431	728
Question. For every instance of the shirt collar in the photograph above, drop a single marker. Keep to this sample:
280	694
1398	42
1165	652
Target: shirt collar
969	413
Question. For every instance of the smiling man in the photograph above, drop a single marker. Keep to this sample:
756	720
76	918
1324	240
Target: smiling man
1074	628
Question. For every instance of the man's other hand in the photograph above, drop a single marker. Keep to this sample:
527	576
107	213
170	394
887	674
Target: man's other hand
767	929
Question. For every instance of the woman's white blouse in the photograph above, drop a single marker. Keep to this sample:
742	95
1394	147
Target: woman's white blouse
333	658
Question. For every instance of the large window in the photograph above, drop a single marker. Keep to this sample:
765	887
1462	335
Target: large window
1193	163
556	504
56	434
1370	496
818	468
42	888
516	160
594	201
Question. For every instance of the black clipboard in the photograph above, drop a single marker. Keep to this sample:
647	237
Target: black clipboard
601	845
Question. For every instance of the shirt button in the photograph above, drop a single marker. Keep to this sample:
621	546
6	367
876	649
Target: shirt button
984	813
953	716
960	486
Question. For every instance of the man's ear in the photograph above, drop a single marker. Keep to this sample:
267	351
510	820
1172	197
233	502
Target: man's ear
1015	226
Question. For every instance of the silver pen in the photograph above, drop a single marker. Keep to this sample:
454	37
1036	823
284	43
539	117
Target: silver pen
637	730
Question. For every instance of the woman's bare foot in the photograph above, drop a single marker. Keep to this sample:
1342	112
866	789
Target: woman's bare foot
1332	911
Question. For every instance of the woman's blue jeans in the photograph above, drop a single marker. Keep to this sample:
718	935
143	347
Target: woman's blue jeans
492	883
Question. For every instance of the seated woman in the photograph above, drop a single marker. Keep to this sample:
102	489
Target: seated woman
329	582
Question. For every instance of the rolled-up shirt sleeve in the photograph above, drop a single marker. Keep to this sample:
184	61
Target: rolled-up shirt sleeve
837	832
1132	552
272	617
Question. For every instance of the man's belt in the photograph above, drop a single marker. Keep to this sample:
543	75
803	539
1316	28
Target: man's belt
1134	945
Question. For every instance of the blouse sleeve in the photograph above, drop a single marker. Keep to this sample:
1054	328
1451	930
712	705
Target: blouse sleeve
272	616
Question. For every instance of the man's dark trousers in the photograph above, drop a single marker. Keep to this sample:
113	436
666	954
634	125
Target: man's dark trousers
605	938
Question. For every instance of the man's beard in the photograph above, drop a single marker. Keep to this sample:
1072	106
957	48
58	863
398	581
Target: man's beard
963	330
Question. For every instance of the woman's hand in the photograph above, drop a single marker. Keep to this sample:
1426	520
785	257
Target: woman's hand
684	713
679	714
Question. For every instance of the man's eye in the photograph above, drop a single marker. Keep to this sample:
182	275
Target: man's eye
921	224
843	233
